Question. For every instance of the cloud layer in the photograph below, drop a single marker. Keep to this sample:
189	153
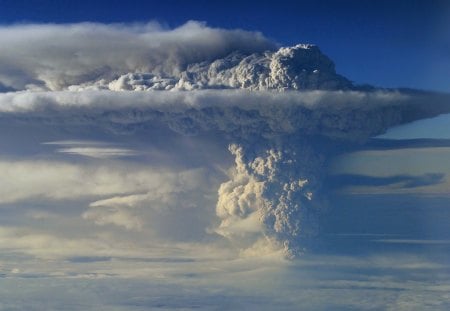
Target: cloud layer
350	115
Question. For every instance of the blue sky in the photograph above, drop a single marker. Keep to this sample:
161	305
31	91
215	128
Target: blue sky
384	43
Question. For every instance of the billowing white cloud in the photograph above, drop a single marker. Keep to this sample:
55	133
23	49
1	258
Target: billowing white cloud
56	56
279	189
150	57
297	68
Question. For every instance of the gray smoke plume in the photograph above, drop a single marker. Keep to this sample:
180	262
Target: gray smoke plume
278	189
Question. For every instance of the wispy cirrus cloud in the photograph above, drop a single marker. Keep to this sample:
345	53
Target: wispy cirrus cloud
93	149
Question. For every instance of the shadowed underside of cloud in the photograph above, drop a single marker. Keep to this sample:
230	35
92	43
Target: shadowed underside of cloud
402	181
381	144
344	115
193	80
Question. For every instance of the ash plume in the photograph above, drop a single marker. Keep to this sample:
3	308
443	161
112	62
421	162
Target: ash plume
282	112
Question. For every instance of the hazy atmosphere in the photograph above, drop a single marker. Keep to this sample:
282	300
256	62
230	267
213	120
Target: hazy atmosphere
212	157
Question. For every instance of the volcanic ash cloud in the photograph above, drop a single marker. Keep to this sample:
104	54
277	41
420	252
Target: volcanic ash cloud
282	112
276	190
